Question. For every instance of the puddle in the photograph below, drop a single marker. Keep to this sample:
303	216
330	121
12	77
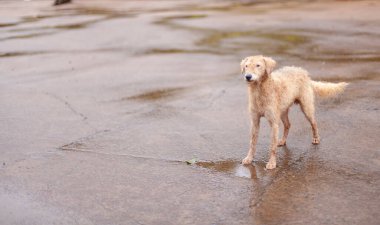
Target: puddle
195	16
28	19
216	38
281	42
213	38
7	24
240	6
106	14
96	11
169	21
24	36
155	95
14	54
232	167
255	170
70	26
73	146
181	51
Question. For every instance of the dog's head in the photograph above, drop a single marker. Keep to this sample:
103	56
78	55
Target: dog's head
257	68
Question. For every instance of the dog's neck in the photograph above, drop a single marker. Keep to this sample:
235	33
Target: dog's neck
259	94
260	84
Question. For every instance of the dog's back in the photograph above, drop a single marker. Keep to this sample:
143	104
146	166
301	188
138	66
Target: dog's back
295	81
291	83
291	73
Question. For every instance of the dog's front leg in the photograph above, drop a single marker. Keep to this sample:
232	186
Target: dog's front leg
273	147
255	125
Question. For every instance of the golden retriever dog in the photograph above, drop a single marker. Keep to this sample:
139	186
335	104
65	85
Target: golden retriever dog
272	93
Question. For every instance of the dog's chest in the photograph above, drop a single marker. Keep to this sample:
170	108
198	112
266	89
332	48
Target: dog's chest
261	102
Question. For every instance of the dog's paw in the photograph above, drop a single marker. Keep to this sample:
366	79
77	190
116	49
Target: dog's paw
271	164
247	160
315	141
281	143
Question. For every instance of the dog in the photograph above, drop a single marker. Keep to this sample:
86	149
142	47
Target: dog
272	93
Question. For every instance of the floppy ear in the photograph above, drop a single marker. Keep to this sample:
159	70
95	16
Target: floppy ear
242	63
270	64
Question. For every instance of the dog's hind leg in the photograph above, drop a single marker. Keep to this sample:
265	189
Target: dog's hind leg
285	121
255	125
307	107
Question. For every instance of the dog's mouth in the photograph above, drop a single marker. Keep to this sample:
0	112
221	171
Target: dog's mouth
251	82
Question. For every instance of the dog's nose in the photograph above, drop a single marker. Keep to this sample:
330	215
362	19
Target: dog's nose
248	77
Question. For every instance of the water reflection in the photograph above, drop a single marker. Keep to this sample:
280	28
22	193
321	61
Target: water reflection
253	171
233	167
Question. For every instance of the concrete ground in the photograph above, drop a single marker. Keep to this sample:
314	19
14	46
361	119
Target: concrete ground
103	102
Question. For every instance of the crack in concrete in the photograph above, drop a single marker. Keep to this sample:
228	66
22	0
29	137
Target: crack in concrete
78	141
67	104
77	146
73	149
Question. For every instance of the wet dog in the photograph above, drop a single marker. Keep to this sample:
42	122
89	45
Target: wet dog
272	93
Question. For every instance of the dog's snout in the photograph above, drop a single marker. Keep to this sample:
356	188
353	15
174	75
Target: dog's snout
248	77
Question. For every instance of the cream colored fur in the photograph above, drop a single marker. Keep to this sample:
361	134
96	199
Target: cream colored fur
271	94
325	89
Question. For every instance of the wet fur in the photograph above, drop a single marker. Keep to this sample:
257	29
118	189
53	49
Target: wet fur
273	93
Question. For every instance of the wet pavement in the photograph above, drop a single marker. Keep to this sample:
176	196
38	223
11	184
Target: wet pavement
103	102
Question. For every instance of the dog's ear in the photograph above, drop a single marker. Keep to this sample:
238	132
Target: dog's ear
270	64
242	64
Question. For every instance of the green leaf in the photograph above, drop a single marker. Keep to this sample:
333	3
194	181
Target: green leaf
191	161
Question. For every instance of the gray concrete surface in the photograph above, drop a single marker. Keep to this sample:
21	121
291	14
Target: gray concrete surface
102	102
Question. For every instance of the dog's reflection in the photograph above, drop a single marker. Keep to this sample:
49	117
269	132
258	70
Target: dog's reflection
231	167
254	171
248	171
257	170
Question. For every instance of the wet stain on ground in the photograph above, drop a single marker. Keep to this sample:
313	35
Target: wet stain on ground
169	21
78	25
285	42
181	51
104	13
278	43
156	94
216	37
100	11
213	39
7	24
194	16
14	54
24	36
236	6
28	19
72	146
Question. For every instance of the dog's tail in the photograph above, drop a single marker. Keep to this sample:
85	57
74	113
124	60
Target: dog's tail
327	89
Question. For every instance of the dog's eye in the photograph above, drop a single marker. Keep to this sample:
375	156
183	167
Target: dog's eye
257	65
246	66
